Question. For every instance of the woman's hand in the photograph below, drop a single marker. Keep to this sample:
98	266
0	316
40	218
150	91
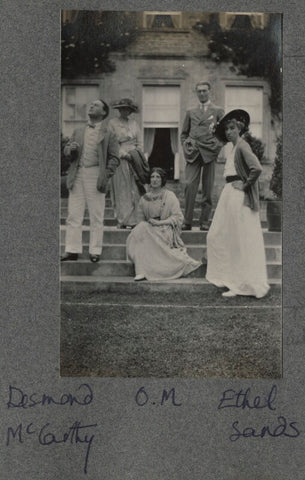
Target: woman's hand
154	222
238	185
126	156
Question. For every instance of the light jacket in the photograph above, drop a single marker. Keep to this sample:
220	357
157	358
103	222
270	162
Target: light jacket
107	152
248	169
197	133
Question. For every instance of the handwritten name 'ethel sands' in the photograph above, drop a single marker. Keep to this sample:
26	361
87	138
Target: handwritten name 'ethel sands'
244	399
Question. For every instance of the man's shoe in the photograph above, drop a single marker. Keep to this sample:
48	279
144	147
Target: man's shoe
204	226
94	258
186	226
68	256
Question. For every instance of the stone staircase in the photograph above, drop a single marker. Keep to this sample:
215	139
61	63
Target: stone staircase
115	272
112	326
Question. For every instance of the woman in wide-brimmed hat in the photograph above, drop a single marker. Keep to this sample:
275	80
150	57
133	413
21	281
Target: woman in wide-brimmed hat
235	245
125	190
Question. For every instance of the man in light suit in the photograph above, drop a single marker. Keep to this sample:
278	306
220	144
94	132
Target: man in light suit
94	155
201	149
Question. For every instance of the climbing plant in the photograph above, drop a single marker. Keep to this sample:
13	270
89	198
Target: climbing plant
277	175
251	52
87	41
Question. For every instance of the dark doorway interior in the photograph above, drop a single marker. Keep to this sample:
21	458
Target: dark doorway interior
162	155
242	22
161	21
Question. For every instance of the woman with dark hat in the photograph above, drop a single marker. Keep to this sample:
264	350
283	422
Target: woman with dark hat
154	245
235	245
125	190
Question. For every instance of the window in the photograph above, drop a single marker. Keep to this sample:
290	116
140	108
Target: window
160	20
249	99
161	116
244	20
69	16
161	106
75	100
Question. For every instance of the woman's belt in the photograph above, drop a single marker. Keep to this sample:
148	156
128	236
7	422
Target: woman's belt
232	178
156	218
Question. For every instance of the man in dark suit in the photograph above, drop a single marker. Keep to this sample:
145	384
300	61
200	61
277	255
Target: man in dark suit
94	155
201	149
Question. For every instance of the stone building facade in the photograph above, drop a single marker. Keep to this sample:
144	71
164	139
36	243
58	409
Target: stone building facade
159	71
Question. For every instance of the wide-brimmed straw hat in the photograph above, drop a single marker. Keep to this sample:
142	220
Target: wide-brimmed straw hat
125	102
239	115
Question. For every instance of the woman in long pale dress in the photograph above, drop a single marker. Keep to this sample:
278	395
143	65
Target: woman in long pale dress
154	245
124	190
235	244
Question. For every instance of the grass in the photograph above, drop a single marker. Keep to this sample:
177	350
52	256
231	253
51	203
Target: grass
157	341
209	296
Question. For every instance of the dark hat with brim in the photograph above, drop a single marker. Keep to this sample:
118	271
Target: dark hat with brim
239	115
125	103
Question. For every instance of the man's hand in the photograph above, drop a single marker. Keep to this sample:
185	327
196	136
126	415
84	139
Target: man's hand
74	146
71	148
102	185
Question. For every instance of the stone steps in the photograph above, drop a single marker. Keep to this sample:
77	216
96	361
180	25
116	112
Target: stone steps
110	220
118	252
114	273
126	285
108	213
108	203
119	268
113	235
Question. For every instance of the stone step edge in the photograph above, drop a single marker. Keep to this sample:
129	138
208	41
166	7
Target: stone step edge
128	262
188	245
109	228
115	229
72	280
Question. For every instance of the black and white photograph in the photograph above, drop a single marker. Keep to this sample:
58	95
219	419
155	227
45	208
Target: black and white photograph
171	194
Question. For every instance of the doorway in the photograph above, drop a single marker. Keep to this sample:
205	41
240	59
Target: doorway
161	120
162	155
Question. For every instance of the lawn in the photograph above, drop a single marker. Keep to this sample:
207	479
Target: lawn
112	336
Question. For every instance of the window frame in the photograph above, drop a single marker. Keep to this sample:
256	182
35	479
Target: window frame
252	82
260	15
171	13
74	84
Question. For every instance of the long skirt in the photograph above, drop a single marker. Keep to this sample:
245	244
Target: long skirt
148	247
125	195
235	247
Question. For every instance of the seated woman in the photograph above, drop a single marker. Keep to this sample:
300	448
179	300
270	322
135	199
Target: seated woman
155	246
235	244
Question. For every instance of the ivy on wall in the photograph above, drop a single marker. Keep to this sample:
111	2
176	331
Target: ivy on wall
87	41
277	175
252	52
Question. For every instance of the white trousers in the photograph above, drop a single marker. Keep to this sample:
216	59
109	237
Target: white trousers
84	192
